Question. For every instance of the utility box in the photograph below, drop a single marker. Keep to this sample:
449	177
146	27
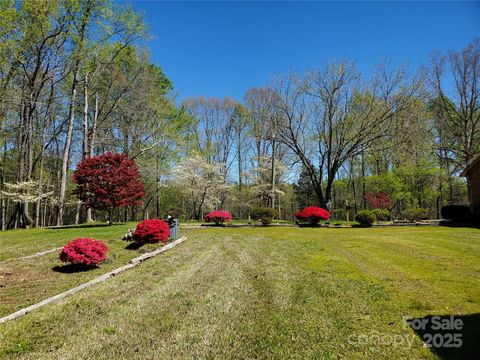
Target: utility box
173	224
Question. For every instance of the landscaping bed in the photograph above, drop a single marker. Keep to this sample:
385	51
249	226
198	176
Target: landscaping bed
24	282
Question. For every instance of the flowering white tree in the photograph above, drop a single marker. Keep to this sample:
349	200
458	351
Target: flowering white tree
23	193
260	178
202	183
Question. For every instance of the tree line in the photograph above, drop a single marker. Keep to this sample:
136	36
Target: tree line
73	83
334	137
76	80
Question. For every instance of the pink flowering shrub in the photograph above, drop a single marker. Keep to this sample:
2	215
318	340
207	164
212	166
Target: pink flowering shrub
151	231
312	214
219	217
84	251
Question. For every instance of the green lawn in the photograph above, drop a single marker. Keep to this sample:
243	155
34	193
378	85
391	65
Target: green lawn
252	293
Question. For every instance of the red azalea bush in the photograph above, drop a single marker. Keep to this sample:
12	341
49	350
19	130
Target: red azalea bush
151	231
312	214
84	251
219	217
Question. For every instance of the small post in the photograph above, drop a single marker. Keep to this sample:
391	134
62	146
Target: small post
347	212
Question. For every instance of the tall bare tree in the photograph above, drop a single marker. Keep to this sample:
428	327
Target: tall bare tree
456	107
240	121
329	116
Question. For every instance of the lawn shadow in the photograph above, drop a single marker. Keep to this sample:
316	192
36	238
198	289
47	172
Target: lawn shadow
72	268
456	224
306	225
134	246
214	225
441	341
358	226
85	226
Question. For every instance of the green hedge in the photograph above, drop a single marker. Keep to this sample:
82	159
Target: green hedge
264	214
365	218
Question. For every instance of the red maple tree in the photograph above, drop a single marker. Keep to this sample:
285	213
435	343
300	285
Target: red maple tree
380	200
108	181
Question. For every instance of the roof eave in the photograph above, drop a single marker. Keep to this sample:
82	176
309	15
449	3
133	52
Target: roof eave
470	167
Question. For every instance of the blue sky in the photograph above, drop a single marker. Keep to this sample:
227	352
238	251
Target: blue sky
224	48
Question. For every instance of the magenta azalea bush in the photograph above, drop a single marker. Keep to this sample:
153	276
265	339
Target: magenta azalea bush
151	231
84	251
312	214
219	217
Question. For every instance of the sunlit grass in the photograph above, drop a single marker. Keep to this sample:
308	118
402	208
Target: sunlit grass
259	293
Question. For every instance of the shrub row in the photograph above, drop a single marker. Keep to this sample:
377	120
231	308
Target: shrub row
90	252
368	217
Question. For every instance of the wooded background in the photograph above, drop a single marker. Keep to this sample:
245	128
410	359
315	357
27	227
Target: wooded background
75	81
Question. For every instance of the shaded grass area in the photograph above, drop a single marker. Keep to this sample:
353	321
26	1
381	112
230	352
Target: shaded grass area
266	293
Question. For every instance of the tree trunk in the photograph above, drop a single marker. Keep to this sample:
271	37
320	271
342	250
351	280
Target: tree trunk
40	190
66	150
110	215
354	191
364	186
3	211
77	213
73	95
91	146
240	177
272	179
20	217
85	152
86	137
157	190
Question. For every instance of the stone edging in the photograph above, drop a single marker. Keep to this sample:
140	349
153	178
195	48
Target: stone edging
32	256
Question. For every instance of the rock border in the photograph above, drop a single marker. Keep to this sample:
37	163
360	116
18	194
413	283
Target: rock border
132	263
31	256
